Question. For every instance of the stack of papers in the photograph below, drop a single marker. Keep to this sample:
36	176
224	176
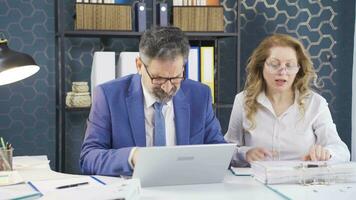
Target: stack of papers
30	162
10	178
277	172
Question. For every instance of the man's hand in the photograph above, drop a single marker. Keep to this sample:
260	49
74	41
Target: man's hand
317	153
258	153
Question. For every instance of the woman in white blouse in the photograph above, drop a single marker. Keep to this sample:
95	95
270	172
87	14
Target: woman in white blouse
278	116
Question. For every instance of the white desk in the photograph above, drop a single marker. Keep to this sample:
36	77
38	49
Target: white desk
233	187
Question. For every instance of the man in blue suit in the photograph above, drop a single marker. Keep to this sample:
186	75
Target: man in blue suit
155	107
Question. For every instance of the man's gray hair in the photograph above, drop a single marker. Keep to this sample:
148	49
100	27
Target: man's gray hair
163	43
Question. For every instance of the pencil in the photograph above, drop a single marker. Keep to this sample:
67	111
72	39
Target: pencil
2	143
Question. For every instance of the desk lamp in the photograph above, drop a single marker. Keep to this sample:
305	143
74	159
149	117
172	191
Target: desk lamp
14	66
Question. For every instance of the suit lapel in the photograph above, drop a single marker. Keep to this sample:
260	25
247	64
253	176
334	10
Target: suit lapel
134	103
182	118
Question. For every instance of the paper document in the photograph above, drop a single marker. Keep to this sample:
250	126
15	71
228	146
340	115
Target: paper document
128	189
23	162
10	178
51	185
19	191
44	175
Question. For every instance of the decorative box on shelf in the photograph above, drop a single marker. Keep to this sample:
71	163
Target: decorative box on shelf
199	18
80	96
116	17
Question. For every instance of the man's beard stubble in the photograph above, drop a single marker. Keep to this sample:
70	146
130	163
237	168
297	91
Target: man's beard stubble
162	96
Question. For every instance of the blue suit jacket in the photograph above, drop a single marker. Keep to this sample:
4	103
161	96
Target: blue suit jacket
116	123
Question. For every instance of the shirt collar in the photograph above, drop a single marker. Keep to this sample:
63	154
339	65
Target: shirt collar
265	102
149	99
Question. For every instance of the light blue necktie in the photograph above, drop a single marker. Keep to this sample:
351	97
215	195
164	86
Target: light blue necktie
160	128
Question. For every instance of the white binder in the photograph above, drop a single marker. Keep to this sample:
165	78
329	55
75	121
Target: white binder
126	64
103	68
193	65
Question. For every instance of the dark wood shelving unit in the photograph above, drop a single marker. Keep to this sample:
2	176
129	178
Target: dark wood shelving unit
119	34
62	34
83	109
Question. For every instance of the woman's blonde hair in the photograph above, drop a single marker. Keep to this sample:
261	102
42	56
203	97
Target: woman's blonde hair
255	82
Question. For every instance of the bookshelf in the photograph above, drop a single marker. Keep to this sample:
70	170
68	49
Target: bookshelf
226	73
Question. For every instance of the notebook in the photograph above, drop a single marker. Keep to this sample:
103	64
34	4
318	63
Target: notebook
180	165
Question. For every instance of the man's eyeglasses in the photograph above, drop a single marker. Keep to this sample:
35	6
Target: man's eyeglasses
275	66
162	80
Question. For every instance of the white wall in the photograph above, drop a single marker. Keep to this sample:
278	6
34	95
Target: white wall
353	119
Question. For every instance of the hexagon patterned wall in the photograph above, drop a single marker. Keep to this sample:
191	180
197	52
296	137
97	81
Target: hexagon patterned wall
325	28
27	108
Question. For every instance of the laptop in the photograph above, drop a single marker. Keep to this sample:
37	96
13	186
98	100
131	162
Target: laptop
181	165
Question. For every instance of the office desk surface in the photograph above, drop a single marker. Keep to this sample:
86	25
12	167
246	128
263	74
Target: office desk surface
233	187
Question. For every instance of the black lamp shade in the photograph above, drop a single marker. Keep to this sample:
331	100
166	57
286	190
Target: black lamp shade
15	66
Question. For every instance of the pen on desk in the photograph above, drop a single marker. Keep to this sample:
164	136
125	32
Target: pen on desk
72	185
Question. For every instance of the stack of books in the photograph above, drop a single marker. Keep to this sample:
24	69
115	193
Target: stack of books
95	16
279	172
196	2
199	18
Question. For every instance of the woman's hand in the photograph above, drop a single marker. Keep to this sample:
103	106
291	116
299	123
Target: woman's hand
317	153
258	153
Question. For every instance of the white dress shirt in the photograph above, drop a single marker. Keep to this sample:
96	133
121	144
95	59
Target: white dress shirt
168	113
290	135
149	111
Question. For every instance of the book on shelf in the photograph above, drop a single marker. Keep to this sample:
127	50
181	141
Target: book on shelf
95	16
103	1
162	16
196	2
140	17
212	2
207	68
192	70
199	18
303	172
88	15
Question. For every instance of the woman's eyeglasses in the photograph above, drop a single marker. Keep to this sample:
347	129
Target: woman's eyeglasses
275	66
